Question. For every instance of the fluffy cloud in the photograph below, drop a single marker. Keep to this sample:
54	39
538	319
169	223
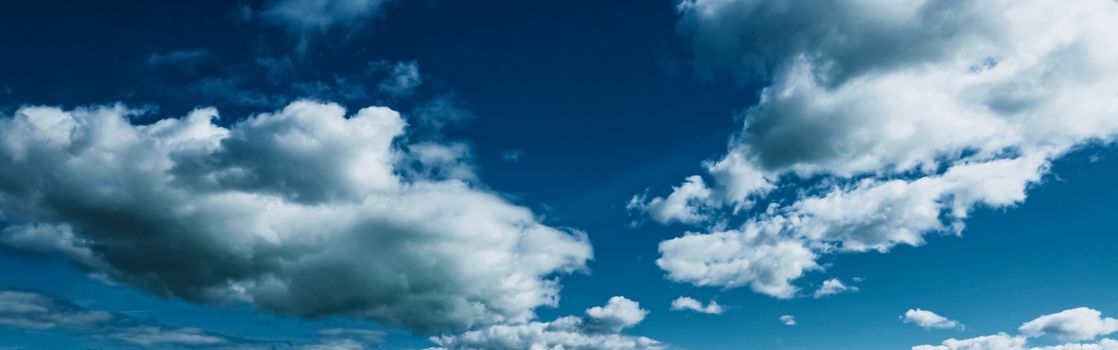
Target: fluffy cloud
928	320
886	121
305	211
1000	341
1071	325
1079	324
833	286
688	303
597	330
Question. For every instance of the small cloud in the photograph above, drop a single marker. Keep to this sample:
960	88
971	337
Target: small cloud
788	320
833	286
929	320
688	303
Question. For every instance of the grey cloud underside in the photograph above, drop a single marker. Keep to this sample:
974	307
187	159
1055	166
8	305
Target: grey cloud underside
36	312
305	211
902	118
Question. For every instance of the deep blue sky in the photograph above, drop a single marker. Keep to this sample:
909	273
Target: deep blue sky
601	99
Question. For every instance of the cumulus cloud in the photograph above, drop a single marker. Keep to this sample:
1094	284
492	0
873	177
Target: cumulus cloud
1000	341
306	211
599	329
689	303
833	286
788	320
1071	325
885	122
928	320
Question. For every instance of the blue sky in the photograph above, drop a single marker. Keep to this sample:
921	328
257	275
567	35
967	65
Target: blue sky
850	175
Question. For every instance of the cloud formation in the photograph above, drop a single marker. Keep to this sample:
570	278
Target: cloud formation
833	286
306	211
884	124
689	303
1081	325
599	329
1071	325
928	320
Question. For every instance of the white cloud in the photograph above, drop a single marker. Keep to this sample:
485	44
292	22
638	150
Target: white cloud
619	313
1104	344
928	320
313	16
1077	324
754	256
36	312
833	286
1000	341
788	320
689	303
901	120
305	211
1071	325
597	330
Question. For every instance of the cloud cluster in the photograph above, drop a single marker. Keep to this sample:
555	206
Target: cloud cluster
599	329
928	320
689	303
306	211
884	121
1073	325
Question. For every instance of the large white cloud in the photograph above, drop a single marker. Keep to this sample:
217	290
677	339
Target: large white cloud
886	120
305	211
1071	325
599	329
